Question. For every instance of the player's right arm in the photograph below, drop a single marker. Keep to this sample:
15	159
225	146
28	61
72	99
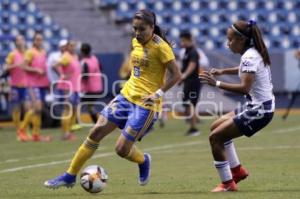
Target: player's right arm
225	71
27	63
297	54
63	62
9	62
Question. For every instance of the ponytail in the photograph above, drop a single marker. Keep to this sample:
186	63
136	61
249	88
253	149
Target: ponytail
259	44
158	31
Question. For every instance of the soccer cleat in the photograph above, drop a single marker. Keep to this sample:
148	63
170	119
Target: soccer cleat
193	132
76	127
231	186
239	173
69	137
65	180
144	170
41	138
22	136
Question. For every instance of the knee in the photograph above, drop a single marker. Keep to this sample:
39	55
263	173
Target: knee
95	133
213	126
38	111
214	138
122	151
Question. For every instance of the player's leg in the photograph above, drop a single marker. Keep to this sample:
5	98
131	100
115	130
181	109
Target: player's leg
194	92
16	107
127	149
238	172
111	117
223	133
222	119
69	116
38	100
139	123
102	128
29	111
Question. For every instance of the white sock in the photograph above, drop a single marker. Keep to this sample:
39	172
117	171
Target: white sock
231	154
223	170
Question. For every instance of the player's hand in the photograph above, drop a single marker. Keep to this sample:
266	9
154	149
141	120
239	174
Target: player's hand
182	78
149	100
207	78
216	72
40	71
62	77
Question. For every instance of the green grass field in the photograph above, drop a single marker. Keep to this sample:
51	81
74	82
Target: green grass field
182	166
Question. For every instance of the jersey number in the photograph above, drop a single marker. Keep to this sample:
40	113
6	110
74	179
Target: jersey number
137	71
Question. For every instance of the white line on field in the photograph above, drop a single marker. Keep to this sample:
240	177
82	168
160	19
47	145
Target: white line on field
164	147
286	130
42	157
278	131
255	148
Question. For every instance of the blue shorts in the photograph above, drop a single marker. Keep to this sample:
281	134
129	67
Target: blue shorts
36	93
251	118
74	98
18	95
135	121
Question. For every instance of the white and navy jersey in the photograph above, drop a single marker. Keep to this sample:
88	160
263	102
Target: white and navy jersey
53	58
262	87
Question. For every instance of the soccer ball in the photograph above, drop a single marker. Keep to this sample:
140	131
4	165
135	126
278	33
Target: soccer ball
93	179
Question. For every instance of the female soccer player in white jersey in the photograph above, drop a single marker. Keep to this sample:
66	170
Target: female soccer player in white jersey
254	71
136	108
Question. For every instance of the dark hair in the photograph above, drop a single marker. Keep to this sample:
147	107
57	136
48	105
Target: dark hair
36	34
185	34
150	18
251	32
86	49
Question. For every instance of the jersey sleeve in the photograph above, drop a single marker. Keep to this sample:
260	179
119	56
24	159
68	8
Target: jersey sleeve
65	60
10	58
249	64
165	53
29	55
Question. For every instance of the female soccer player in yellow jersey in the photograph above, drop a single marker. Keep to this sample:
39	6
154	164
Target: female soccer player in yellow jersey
136	108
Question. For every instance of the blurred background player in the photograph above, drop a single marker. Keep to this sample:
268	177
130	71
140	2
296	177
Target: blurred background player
125	70
134	110
295	93
254	71
91	79
68	88
53	58
189	78
38	84
18	83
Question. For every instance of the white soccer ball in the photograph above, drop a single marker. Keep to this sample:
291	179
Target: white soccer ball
93	179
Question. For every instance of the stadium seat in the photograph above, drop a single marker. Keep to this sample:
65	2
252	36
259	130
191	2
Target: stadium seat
216	16
23	17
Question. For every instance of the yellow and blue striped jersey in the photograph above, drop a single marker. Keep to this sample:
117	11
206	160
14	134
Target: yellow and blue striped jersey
148	63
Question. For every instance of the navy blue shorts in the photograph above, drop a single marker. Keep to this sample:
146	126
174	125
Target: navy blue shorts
251	118
67	96
18	95
36	93
191	91
135	121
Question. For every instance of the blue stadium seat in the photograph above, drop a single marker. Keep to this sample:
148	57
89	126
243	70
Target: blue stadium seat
30	20
29	33
14	7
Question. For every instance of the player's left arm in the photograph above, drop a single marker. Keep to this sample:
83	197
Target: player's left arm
173	77
247	79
